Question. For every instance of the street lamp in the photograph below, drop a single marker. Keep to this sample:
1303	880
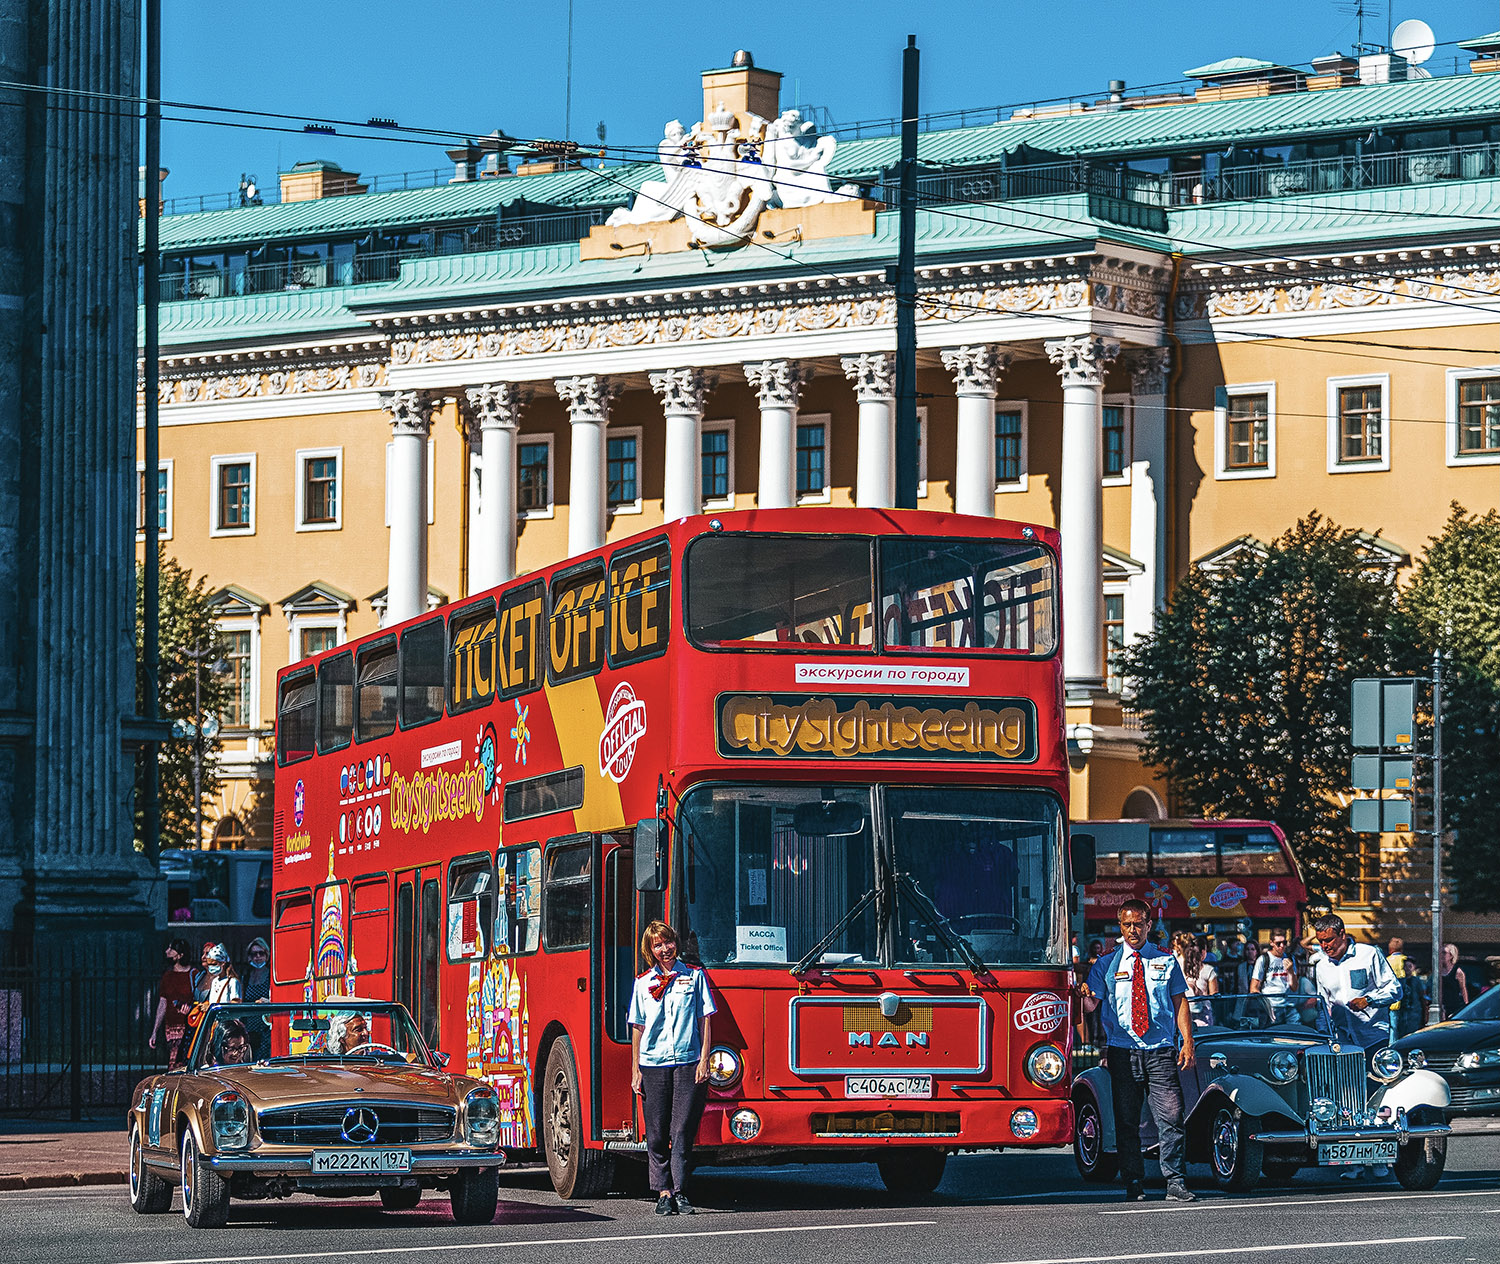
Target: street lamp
201	729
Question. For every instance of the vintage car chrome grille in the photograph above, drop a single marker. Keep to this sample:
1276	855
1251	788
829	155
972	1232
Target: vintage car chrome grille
323	1123
1341	1077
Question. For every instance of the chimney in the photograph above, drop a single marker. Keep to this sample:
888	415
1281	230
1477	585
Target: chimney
1333	70
310	181
140	190
742	89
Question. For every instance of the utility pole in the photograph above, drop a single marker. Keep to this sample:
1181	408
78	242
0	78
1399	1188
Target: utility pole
151	580
1435	1000
906	288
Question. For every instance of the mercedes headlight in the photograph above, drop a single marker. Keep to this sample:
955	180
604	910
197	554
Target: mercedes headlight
1283	1066
1477	1058
1387	1064
230	1118
1045	1065
482	1117
724	1067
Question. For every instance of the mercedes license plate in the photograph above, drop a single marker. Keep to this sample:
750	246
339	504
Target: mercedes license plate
1334	1153
887	1086
327	1162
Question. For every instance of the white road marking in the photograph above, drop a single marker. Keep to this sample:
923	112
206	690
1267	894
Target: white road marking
1222	1204
1233	1250
490	1246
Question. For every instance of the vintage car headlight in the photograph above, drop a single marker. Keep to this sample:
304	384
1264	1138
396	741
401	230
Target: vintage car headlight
744	1124
1283	1066
1387	1064
1045	1065
1323	1110
230	1118
1477	1058
482	1117
724	1067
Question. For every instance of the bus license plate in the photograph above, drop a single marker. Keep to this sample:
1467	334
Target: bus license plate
887	1086
1334	1153
334	1161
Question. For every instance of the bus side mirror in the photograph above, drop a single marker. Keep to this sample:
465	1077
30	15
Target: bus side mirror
650	854
1081	856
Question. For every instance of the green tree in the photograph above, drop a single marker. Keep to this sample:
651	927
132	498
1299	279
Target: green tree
1243	686
190	648
1453	603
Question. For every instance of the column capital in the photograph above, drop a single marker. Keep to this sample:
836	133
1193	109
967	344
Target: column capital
683	390
1148	370
494	406
1082	361
873	374
976	370
410	411
587	397
778	381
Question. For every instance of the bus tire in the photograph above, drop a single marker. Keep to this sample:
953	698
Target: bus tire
912	1172
576	1171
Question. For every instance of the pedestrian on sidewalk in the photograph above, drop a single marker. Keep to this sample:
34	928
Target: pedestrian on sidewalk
1455	982
174	993
670	1017
1143	998
223	983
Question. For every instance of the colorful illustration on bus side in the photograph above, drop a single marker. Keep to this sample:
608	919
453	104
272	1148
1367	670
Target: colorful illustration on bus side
1226	895
1272	895
499	1044
624	726
333	972
363	785
430	798
299	803
487	753
520	733
1158	895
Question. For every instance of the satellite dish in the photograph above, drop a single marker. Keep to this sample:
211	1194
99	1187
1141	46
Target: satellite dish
1413	40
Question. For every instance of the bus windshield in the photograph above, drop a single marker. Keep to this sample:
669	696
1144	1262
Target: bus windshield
871	876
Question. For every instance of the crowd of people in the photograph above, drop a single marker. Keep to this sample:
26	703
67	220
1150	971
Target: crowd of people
185	991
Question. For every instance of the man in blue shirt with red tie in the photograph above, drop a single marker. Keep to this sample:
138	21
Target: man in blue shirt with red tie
1143	1001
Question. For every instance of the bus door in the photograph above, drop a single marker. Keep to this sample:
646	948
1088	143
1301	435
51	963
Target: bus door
614	969
419	943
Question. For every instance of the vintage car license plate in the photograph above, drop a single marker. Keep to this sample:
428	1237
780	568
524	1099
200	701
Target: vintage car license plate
1333	1153
887	1086
334	1161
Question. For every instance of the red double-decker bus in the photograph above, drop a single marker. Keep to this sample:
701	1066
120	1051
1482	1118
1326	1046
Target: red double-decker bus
826	745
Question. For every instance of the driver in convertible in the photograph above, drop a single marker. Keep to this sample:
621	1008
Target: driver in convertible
347	1032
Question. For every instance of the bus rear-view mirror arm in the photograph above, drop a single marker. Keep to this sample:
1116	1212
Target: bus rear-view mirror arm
650	853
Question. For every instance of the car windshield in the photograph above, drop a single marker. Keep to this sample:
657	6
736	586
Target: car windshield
863	876
241	1035
1484	1008
1254	1013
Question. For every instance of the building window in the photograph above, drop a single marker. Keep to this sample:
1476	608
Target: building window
1247	439
1114	638
1008	435
237	704
534	476
316	640
233	482
1479	417
718	464
1367	879
812	461
1359	423
622	471
1115	456
319	503
163	500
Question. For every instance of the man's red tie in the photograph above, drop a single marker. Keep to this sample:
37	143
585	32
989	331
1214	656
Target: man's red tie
1140	1013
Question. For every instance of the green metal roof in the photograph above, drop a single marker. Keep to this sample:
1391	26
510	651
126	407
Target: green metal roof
1232	66
1482	43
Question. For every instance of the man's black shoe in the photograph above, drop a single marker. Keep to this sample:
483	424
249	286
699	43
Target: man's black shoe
664	1206
680	1204
1177	1192
1133	1192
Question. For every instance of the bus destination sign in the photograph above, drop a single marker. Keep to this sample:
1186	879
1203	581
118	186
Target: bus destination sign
802	726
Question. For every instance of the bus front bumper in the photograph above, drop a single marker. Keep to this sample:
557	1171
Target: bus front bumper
803	1118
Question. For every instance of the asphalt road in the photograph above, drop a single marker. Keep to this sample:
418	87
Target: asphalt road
1012	1208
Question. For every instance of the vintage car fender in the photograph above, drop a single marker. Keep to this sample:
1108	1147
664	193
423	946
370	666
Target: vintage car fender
1251	1095
1094	1083
1417	1088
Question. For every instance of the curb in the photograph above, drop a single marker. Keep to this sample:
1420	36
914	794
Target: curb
59	1180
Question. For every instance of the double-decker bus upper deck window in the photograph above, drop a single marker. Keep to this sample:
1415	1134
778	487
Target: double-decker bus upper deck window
335	702
518	923
422	651
520	640
780	590
1184	851
964	594
296	718
1252	851
640	602
577	627
471	908
566	900
471	657
376	674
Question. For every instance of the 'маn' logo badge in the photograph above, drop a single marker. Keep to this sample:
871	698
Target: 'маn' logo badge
624	726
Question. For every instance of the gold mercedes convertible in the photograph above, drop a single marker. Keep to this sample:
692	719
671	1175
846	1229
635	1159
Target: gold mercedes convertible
340	1098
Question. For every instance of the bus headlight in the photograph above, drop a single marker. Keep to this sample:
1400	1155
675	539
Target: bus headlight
230	1116
745	1124
1045	1065
724	1067
482	1117
1283	1066
1023	1124
1387	1064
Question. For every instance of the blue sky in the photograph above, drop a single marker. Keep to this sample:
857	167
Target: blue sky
475	65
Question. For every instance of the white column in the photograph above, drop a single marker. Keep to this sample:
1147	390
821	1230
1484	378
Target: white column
682	392
411	424
873	376
1148	488
976	373
1081	363
495	412
587	399
779	383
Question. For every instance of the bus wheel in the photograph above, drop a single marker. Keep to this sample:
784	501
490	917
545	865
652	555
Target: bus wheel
913	1173
576	1171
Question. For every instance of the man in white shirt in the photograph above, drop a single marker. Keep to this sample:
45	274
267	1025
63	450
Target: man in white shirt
1355	982
1275	972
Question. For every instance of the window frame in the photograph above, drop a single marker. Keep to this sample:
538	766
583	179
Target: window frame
302	463
568	842
421	626
1126	404
658	543
562	580
825	496
216	529
462	615
1223	471
550	510
369	648
1336	463
250	626
487	930
355	885
1014	406
536	913
324	748
282	900
639	435
1455	378
290	681
164	523
314	624
725	427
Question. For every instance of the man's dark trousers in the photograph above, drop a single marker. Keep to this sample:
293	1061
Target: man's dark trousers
1135	1075
672	1104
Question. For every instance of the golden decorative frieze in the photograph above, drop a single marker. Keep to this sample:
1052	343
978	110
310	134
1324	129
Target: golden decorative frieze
1344	291
256	383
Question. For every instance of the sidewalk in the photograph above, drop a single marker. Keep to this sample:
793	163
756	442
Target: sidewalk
80	1154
